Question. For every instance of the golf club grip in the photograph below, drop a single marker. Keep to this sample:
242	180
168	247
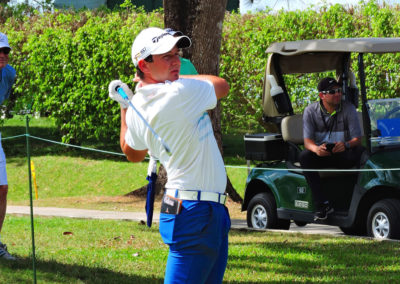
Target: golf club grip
125	97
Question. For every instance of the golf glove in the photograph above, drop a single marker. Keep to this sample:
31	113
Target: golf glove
114	95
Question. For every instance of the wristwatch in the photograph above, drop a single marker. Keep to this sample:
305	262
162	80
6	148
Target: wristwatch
347	145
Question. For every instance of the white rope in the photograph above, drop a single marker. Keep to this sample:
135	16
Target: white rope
226	166
315	170
13	137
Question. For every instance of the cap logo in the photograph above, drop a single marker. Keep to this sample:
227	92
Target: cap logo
139	54
157	38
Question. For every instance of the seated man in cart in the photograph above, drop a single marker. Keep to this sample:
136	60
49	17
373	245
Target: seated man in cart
332	139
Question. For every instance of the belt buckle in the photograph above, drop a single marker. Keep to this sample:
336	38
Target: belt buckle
195	195
222	199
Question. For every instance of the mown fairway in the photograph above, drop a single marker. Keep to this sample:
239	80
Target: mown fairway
100	251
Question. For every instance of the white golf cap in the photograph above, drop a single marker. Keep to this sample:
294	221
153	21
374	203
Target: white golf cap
4	41
153	41
173	32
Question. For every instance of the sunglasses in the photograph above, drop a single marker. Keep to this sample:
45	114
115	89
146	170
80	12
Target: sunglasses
333	91
5	50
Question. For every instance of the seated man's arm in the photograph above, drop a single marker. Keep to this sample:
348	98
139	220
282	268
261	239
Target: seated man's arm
131	154
309	135
355	131
320	150
341	146
356	141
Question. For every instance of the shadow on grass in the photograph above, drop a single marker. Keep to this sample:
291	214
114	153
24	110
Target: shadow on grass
280	258
55	272
317	259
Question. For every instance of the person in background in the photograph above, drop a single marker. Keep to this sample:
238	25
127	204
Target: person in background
332	139
7	79
253	6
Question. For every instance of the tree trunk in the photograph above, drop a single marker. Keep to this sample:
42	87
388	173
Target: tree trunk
202	21
159	188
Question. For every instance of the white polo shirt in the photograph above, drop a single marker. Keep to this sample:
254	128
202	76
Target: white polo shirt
177	111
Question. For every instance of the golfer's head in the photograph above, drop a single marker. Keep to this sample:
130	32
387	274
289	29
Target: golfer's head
155	54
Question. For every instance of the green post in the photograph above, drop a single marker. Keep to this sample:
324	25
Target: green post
28	152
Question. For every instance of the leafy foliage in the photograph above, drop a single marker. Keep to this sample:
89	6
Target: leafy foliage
243	57
65	60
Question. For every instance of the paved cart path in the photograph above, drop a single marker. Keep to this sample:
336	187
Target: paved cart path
141	216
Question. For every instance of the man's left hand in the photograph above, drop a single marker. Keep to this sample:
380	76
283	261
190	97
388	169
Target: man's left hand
114	95
339	147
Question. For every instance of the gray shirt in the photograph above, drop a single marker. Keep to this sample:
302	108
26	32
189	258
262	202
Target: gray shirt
322	127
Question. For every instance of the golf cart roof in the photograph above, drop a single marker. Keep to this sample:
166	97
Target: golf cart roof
359	45
315	56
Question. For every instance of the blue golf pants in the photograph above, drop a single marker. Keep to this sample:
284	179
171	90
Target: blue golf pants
198	242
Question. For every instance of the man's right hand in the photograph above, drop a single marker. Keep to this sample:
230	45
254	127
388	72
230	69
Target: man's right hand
114	95
322	151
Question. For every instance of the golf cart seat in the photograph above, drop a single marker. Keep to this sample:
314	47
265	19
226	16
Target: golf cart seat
292	129
292	134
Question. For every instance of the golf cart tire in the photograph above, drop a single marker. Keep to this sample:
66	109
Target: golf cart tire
261	213
384	219
300	223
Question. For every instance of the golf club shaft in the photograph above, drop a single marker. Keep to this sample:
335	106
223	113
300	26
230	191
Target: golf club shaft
125	97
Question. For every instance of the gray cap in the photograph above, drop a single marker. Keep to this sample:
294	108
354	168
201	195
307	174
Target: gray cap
4	41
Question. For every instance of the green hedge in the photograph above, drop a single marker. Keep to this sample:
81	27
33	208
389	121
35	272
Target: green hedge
65	60
246	38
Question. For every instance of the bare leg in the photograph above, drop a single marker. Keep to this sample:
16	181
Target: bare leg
3	203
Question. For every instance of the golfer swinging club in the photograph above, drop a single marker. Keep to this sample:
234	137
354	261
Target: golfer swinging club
193	221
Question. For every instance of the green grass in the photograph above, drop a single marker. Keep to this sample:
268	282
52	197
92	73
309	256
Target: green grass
69	177
104	251
64	176
92	252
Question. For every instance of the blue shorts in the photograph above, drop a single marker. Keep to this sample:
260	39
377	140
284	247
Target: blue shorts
198	242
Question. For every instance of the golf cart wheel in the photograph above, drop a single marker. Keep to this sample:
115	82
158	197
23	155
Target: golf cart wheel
300	223
353	231
384	219
261	213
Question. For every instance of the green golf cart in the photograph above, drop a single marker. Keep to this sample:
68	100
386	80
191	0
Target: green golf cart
366	200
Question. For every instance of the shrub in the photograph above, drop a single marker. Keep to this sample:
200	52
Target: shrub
65	60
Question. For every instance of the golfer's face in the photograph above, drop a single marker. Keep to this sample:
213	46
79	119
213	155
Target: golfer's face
166	66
